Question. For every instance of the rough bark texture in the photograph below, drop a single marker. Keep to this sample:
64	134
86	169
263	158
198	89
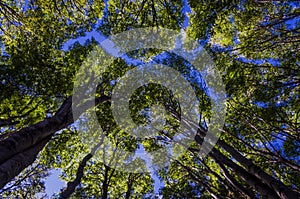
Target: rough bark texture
13	166
12	149
253	181
281	190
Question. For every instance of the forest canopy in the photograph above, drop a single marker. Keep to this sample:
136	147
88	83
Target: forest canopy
49	50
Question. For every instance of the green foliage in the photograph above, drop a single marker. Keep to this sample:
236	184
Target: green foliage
29	184
254	48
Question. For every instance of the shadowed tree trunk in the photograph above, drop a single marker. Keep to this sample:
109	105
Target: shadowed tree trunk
235	183
281	190
129	187
71	186
13	166
25	141
251	169
254	182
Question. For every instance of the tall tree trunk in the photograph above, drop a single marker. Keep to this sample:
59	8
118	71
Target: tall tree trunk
66	193
13	166
253	181
236	184
282	190
105	183
30	136
71	186
129	188
23	141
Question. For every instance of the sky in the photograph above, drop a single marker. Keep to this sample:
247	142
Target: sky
53	183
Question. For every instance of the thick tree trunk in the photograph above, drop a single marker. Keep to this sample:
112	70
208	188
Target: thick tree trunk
253	181
236	184
12	148
281	190
13	166
30	136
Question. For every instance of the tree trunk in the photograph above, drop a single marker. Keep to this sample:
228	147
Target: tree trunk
237	186
129	187
253	181
66	193
12	167
105	183
71	186
281	190
13	147
30	136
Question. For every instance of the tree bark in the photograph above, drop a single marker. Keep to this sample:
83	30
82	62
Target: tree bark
71	186
129	187
105	183
30	136
12	148
237	186
253	181
13	166
282	190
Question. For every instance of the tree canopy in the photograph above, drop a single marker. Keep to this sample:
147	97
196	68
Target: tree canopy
255	47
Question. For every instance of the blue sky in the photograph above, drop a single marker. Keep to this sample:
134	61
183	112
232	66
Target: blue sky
53	183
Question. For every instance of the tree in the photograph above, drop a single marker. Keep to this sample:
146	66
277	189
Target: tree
255	44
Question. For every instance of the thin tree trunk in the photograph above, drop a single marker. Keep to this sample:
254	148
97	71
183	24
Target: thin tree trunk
220	179
71	186
212	194
129	187
105	183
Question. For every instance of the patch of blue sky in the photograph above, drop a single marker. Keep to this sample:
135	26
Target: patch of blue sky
294	4
186	9
24	4
278	103
142	154
272	61
293	24
82	40
97	35
53	183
